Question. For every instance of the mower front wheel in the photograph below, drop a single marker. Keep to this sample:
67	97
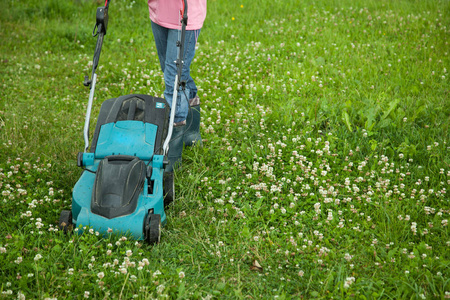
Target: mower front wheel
65	221
152	229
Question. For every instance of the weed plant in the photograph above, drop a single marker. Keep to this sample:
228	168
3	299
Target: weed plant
325	167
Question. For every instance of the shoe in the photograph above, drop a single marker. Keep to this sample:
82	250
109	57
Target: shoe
192	135
176	147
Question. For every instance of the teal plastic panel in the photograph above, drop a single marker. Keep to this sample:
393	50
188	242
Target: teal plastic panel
131	224
133	138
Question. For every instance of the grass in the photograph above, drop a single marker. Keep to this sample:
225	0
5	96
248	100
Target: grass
324	173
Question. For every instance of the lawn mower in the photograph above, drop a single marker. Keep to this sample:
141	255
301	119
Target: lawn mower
124	188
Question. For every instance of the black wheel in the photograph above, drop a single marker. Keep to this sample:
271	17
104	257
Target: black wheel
168	188
152	229
65	221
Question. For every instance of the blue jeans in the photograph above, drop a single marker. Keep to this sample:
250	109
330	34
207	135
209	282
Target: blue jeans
166	45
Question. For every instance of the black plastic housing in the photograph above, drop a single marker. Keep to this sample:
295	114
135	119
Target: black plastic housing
136	107
118	183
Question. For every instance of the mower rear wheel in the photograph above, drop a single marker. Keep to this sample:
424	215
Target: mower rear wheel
153	229
168	188
65	221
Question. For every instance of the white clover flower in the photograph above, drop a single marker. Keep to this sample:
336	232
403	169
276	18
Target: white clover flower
160	289
20	296
348	282
181	275
317	207
37	257
157	272
414	227
330	216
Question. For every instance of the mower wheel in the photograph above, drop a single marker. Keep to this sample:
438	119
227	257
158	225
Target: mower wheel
168	188
152	229
65	221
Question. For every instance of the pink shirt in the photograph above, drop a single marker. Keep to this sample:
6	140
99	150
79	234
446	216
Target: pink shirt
166	13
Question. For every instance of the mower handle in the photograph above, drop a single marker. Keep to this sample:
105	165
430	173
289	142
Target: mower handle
100	27
180	43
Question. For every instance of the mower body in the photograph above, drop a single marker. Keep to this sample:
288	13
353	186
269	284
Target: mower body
122	186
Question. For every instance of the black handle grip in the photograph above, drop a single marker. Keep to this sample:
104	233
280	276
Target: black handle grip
121	157
102	19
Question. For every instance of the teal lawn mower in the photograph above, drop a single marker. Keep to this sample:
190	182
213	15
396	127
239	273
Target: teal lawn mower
124	188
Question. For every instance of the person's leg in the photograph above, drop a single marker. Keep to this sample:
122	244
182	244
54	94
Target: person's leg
162	42
169	68
166	40
160	35
190	43
182	105
170	73
192	134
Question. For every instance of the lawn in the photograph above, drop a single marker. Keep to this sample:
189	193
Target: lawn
324	171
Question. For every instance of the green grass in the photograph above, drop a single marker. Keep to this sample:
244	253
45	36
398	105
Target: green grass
324	174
